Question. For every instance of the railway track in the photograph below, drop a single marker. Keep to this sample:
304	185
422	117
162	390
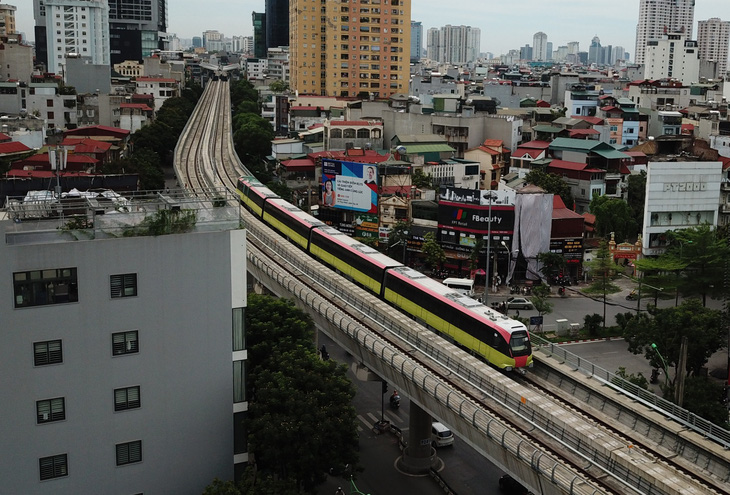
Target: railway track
576	441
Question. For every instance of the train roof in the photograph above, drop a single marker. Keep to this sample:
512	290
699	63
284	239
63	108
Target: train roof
371	253
436	288
294	211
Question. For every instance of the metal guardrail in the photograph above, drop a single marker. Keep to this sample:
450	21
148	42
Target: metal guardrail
668	408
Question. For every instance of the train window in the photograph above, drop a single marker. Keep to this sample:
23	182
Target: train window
520	344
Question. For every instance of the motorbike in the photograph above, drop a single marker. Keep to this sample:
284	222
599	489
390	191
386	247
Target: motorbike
654	378
632	296
395	400
514	289
561	291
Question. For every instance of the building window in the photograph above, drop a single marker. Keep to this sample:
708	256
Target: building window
124	285
125	343
239	334
54	466
48	352
129	452
50	410
126	398
239	381
40	287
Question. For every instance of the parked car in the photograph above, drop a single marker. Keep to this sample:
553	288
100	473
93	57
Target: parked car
440	435
519	303
510	486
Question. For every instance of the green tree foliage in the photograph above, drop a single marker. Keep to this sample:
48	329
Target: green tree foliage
639	380
301	418
278	86
281	189
592	324
552	184
551	264
704	398
252	137
421	181
703	253
435	255
602	270
243	90
253	483
665	327
144	162
540	299
247	106
398	236
636	194
614	215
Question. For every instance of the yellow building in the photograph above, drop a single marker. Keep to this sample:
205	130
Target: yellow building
346	48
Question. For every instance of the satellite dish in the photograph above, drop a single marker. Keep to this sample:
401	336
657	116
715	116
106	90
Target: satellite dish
400	149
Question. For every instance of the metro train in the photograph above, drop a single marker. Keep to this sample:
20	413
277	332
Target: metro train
497	339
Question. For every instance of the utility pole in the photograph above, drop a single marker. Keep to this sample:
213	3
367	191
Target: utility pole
681	372
489	245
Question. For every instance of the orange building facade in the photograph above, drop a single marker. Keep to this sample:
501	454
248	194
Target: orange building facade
350	48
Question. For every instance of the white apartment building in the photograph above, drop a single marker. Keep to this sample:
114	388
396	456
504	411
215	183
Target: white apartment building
161	88
659	16
79	27
713	40
122	356
59	111
454	44
539	47
673	56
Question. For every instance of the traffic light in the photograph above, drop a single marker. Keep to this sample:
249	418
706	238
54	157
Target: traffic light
385	387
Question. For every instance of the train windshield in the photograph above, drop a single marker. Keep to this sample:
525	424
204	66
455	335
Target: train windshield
520	344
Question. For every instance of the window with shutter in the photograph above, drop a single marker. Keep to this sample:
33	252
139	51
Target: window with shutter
126	398
48	352
125	343
54	466
49	410
123	285
129	452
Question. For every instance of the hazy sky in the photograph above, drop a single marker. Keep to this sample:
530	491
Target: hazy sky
504	24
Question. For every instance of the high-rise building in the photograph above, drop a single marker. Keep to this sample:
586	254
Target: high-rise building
573	48
549	45
539	47
7	19
416	41
659	17
350	50
277	23
114	370
259	34
673	56
595	53
713	39
526	52
454	44
135	28
76	28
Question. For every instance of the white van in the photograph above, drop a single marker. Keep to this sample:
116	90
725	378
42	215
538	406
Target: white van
462	285
440	435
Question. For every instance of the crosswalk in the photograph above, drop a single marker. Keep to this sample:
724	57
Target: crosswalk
369	419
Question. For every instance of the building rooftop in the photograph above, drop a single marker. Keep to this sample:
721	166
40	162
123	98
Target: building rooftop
41	218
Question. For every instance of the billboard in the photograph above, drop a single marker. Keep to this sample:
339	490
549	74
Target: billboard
450	194
476	219
349	186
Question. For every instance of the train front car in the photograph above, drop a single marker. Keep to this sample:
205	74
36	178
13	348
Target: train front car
497	339
357	261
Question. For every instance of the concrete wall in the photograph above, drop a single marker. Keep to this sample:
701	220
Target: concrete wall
183	315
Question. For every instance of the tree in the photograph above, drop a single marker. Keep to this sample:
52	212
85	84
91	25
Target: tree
551	265
636	193
552	184
420	180
475	253
602	268
703	252
243	90
665	327
435	255
614	215
592	323
540	295
301	419
281	189
278	86
398	236
252	137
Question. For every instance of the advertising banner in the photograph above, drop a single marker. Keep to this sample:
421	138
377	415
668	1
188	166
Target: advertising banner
476	219
366	225
349	186
450	194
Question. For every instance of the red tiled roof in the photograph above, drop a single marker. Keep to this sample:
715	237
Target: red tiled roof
534	153
82	131
368	156
582	132
87	145
43	158
590	120
558	202
5	137
493	142
354	122
141	106
306	108
725	162
298	164
44	173
589	218
488	150
12	147
634	153
541	145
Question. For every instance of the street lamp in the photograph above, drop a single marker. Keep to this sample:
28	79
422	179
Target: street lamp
489	244
666	372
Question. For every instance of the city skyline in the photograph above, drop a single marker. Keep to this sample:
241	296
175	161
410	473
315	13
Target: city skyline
497	23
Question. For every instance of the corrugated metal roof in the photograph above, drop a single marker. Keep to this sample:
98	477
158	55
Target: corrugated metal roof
428	148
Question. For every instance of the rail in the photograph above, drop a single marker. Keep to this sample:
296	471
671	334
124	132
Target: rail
668	408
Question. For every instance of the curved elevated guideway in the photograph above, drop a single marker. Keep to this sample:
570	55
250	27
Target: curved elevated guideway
543	440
